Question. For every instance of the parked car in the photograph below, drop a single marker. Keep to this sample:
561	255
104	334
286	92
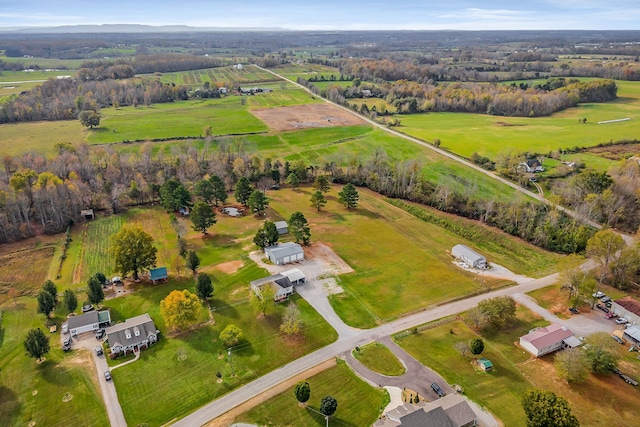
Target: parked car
598	294
107	375
87	308
574	310
602	307
66	344
65	328
621	320
617	339
438	390
100	334
605	299
609	315
99	351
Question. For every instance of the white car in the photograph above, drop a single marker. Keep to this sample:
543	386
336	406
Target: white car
598	294
621	320
65	328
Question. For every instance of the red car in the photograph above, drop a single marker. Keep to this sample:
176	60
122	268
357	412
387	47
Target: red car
609	315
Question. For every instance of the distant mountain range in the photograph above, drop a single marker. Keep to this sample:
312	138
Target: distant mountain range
126	28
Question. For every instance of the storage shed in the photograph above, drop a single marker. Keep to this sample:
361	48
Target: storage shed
469	256
158	275
627	308
485	364
281	227
284	253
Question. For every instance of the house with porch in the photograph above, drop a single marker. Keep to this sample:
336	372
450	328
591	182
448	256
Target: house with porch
545	340
136	333
283	284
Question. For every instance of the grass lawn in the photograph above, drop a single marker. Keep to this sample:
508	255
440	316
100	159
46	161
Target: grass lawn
466	133
379	358
20	138
359	404
32	392
501	390
384	245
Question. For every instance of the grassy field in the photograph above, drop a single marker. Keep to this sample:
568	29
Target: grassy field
227	75
379	358
357	402
380	104
293	71
34	393
465	133
383	244
499	391
20	138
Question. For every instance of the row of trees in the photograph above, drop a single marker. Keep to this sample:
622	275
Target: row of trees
328	404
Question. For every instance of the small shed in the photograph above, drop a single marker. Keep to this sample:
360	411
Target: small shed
285	253
158	275
282	227
485	364
469	256
87	214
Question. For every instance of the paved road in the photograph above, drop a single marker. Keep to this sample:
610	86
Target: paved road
344	344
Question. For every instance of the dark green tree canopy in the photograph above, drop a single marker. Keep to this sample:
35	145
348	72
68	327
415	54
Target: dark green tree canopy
299	228
258	202
219	189
70	300
173	195
50	287
36	343
328	405
349	196
321	183
601	353
46	303
202	217
89	118
204	189
545	409
243	190
204	287
133	251
94	290
193	261
477	346
267	235
318	200
302	391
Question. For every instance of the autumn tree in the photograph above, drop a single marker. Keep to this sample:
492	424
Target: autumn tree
231	335
243	190
603	246
36	344
133	251
193	261
476	318
477	346
321	183
572	365
267	235
258	202
302	391
46	303
291	321
299	228
318	200
499	311
204	286
328	406
577	281
70	300
349	196
180	309
601	353
263	300
89	119
94	290
545	409
202	217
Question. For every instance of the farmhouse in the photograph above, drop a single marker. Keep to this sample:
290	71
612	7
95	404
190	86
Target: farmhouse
469	256
284	253
531	166
158	275
627	308
449	411
283	283
134	334
282	227
91	321
545	340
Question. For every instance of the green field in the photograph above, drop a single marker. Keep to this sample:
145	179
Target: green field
379	358
293	71
20	138
225	75
359	404
465	133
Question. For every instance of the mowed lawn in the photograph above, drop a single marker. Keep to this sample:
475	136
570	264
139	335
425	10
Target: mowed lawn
379	358
465	133
401	263
34	393
359	404
499	391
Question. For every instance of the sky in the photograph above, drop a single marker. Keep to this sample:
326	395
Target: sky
332	14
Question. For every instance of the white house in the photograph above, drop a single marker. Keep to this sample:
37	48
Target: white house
283	283
531	166
91	321
545	340
135	333
284	253
627	308
469	256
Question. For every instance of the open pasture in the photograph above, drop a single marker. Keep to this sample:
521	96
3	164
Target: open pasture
222	75
465	133
379	104
20	138
293	71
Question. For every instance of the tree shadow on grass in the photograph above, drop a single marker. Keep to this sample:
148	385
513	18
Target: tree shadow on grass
50	372
9	406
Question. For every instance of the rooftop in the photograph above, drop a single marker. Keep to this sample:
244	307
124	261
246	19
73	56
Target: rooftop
629	304
548	335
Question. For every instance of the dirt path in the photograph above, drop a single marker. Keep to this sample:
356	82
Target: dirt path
227	419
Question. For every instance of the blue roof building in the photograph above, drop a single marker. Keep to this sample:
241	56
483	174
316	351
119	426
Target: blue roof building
158	275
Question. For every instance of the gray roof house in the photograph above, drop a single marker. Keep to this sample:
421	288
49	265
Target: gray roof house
449	411
283	283
91	321
284	253
135	333
282	227
469	256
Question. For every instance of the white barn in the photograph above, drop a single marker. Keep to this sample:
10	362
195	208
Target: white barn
469	256
91	321
284	253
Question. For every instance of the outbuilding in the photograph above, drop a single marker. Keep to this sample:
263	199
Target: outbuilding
281	227
284	253
91	321
627	308
158	275
469	256
485	364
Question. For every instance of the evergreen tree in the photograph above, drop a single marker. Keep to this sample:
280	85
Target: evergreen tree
267	235
349	196
219	190
328	405
302	391
299	227
204	287
293	180
202	217
318	200
70	300
50	287
321	183
545	409
193	261
204	188
94	290
258	202
36	344
243	190
477	346
46	303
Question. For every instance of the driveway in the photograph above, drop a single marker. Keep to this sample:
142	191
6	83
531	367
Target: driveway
89	342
